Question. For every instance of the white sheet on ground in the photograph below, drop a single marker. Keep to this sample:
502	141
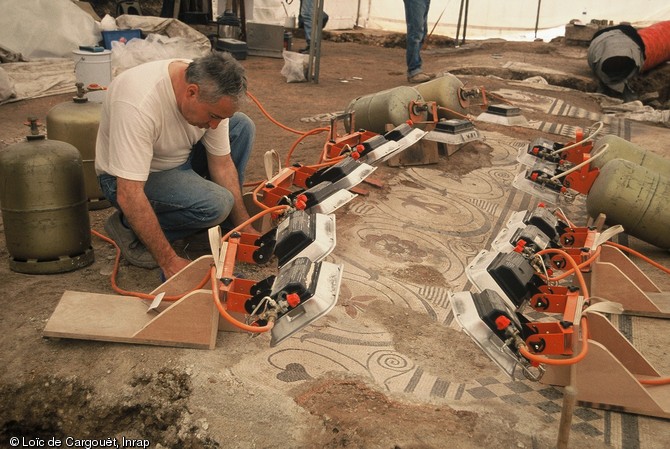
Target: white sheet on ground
46	28
40	78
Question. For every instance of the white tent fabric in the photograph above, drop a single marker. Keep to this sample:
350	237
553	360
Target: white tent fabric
46	28
509	19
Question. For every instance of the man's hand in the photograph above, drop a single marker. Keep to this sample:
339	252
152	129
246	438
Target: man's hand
249	229
174	265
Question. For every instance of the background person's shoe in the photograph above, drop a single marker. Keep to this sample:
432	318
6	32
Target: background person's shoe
421	77
131	248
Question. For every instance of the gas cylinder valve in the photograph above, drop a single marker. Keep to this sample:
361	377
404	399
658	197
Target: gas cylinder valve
543	179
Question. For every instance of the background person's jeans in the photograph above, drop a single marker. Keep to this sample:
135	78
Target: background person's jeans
416	17
184	201
307	12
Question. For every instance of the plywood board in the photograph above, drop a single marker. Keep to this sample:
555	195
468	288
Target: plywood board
190	322
423	152
609	376
614	277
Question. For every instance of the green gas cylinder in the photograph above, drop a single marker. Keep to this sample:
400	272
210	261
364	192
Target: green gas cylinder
373	112
47	227
76	122
618	148
447	91
634	197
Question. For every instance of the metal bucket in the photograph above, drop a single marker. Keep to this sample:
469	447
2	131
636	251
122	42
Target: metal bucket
93	68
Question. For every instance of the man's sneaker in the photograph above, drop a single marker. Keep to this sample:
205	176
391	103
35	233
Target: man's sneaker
131	248
420	77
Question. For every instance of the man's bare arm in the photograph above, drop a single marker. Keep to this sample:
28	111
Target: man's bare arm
222	171
141	217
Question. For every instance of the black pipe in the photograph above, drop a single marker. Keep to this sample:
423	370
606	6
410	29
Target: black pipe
458	27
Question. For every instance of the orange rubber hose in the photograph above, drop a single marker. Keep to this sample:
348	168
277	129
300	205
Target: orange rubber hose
655	382
139	295
567	273
300	139
267	114
640	255
254	218
584	325
575	268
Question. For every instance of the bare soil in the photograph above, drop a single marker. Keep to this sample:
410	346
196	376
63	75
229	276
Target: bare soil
178	398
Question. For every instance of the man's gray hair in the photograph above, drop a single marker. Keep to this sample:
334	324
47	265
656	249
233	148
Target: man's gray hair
217	75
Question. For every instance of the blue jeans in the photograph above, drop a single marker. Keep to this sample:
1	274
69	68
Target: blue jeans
416	17
184	200
307	12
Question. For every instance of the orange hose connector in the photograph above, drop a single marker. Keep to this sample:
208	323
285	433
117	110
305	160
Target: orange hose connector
561	362
227	316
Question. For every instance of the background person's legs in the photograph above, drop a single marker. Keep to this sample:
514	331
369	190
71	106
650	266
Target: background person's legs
416	16
306	14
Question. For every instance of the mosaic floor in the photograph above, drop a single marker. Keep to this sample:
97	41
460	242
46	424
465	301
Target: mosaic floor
437	221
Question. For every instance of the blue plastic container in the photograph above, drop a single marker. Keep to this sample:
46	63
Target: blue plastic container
119	35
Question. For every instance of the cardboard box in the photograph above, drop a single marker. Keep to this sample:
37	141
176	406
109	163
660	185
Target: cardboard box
265	40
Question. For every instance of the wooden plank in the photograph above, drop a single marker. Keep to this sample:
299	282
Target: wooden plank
191	322
615	256
603	382
608	377
610	283
423	152
95	316
602	331
188	278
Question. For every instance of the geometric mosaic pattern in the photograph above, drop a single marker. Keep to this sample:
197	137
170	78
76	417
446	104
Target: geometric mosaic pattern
431	220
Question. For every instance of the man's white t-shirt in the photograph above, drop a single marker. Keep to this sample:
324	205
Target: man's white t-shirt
141	129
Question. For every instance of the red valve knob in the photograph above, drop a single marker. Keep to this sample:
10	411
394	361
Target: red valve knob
301	202
502	322
520	245
293	299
